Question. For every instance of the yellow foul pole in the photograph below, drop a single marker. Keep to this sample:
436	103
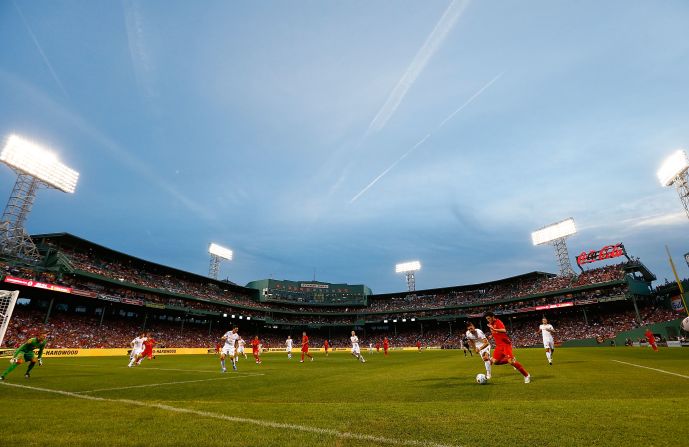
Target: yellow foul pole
679	283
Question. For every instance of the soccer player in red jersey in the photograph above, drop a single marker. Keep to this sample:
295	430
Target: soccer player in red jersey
418	345
256	348
503	346
326	345
148	349
386	345
305	347
377	346
651	339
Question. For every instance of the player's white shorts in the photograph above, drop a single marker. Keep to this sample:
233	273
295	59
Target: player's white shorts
355	349
136	352
228	350
485	350
288	350
549	343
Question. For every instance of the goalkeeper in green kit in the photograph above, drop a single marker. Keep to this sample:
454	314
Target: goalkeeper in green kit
25	353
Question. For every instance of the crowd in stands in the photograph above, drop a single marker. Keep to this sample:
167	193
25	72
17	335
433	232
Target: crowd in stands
502	291
600	275
70	330
147	277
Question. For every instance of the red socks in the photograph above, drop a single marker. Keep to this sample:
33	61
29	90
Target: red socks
520	368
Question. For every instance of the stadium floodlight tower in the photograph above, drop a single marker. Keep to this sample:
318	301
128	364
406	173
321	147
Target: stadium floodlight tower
36	167
409	268
218	254
673	171
556	234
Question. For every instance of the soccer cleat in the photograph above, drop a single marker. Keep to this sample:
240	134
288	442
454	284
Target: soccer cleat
2	378
26	376
527	379
312	359
234	367
488	375
224	370
550	363
301	361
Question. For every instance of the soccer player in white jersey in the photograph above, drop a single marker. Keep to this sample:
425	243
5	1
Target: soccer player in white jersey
240	349
370	348
356	351
547	330
229	349
288	346
137	348
479	343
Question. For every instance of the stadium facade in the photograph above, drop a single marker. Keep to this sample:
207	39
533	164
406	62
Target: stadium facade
78	280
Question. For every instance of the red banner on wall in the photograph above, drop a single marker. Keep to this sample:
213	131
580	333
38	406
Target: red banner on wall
555	306
36	284
86	293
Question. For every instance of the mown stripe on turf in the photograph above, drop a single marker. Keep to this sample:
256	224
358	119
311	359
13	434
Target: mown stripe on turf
265	424
653	369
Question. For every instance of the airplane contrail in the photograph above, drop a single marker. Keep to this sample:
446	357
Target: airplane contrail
427	50
40	49
423	140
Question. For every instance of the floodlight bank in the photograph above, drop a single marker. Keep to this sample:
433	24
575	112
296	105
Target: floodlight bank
673	166
32	159
219	251
405	267
554	231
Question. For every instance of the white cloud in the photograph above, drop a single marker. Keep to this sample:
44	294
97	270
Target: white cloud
433	42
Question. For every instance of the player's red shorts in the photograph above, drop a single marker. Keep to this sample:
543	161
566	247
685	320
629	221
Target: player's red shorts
502	353
304	348
147	353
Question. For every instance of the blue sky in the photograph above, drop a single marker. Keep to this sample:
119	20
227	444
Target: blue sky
348	136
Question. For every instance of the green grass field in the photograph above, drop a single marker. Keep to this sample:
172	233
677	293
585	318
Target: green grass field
429	398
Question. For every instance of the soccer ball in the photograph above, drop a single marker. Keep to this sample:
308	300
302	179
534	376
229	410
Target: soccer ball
685	324
481	379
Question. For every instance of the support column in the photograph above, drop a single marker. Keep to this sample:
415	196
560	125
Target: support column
50	308
636	310
562	255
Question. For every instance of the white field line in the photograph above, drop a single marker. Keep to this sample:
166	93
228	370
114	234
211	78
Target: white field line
234	419
213	371
157	384
652	369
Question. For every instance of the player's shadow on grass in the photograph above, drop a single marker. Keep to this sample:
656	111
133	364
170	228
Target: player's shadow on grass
445	382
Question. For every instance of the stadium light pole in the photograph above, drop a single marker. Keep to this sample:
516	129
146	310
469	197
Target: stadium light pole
673	171
409	269
218	254
36	167
556	234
